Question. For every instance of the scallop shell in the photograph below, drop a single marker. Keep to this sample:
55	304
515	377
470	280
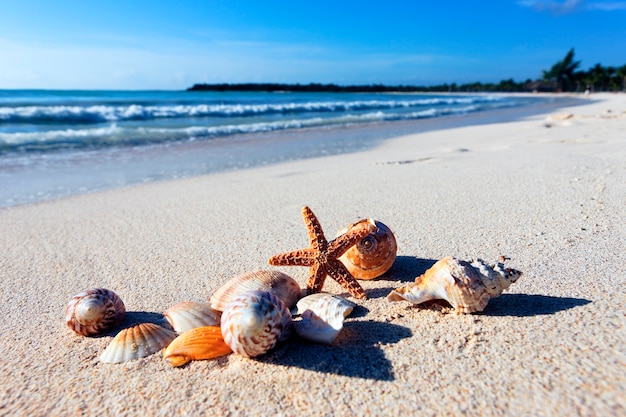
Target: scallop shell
190	314
254	322
137	342
199	343
373	255
275	282
322	317
468	287
94	311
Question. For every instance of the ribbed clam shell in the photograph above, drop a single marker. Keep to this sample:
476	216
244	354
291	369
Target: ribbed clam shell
199	343
373	255
137	342
322	317
254	322
275	282
94	311
190	314
468	287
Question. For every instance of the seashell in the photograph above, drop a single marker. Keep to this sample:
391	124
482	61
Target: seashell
322	317
254	322
373	255
94	311
275	282
190	314
468	287
137	342
199	343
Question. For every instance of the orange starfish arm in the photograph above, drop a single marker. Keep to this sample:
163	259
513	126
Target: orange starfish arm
300	257
351	237
339	273
316	278
316	234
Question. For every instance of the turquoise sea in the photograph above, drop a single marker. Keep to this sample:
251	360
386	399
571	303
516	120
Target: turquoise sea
59	143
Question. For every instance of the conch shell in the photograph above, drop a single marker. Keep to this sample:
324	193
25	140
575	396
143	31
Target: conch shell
322	317
254	322
373	255
468	287
199	343
275	282
137	342
94	311
190	314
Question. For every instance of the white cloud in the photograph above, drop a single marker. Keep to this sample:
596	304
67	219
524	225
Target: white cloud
568	6
607	6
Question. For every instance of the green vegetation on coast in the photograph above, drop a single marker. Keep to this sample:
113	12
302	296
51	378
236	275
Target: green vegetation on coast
562	76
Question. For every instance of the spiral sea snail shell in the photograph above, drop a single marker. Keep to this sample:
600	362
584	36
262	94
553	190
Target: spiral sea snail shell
467	286
254	322
373	255
94	311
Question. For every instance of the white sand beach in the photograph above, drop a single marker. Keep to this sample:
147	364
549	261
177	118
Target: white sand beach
548	192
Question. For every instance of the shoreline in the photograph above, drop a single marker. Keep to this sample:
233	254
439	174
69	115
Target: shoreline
49	176
546	191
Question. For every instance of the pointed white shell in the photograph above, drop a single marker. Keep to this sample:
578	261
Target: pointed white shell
468	287
94	311
137	342
275	282
254	322
373	255
190	314
322	317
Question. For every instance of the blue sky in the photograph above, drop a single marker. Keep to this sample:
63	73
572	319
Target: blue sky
159	44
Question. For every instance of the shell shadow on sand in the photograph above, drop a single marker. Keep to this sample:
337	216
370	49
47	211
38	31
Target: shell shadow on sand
356	353
404	269
527	305
134	318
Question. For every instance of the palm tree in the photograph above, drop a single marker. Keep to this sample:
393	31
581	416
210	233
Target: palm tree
563	72
621	73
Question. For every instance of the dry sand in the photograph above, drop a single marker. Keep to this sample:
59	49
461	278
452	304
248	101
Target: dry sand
548	191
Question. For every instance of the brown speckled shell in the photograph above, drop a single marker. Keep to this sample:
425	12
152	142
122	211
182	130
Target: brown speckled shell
254	322
373	255
94	311
275	282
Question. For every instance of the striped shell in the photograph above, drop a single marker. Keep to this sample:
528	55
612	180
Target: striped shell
94	311
137	342
190	314
468	287
199	343
322	317
254	322
275	282
373	255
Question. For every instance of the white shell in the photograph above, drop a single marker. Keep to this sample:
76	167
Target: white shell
94	311
254	322
275	282
137	342
322	317
190	314
468	287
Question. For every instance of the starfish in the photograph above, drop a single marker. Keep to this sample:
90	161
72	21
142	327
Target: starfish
322	256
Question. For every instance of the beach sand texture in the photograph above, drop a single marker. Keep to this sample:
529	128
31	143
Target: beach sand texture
549	192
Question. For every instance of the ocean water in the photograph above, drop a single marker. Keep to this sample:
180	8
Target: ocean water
58	143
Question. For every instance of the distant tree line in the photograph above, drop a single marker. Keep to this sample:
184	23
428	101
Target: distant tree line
562	76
